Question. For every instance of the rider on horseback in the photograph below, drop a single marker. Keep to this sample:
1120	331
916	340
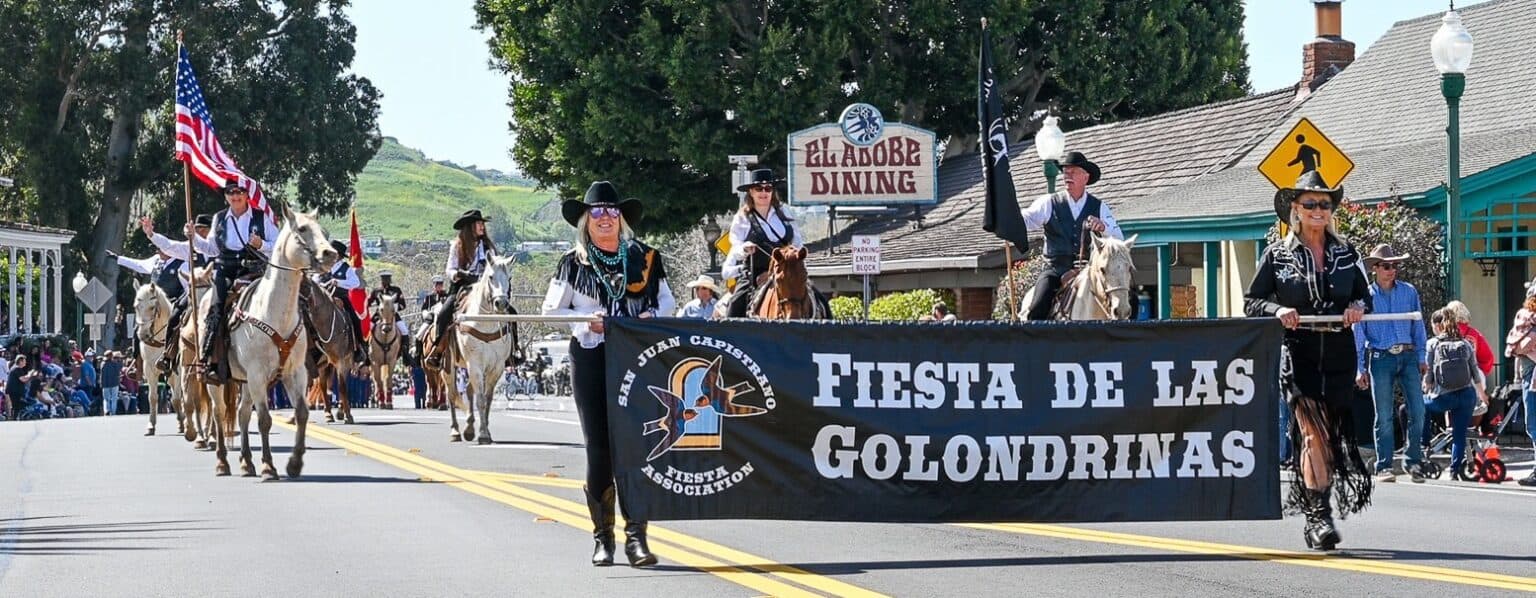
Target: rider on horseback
759	227
467	259
387	287
240	248
343	278
173	252
1064	216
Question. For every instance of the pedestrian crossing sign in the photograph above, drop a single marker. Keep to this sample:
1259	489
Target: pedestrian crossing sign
1305	148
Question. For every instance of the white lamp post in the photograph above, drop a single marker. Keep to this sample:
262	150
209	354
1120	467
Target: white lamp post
1050	145
1451	49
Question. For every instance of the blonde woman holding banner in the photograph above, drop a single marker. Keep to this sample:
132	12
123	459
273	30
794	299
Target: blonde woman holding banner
1313	271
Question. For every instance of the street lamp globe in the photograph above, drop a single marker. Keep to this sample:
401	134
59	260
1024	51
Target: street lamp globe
1452	45
1050	142
79	282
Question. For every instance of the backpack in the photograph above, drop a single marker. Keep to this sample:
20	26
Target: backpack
1452	365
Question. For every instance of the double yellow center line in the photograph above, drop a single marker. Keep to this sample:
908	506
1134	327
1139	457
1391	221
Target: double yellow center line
755	572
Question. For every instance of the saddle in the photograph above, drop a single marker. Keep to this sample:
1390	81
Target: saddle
236	297
1061	304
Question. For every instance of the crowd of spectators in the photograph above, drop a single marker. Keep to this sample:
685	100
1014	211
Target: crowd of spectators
45	379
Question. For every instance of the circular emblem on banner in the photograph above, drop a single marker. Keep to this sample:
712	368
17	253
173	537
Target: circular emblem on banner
862	124
692	391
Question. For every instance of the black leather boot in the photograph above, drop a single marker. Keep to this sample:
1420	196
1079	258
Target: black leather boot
601	509
210	365
635	546
1320	532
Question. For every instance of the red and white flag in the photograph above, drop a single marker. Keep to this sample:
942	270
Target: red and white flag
196	142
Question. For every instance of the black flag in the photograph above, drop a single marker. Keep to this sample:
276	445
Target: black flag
1002	217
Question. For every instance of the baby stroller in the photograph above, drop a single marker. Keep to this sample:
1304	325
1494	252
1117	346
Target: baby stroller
1483	460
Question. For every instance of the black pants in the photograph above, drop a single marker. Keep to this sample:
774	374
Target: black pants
589	384
445	315
224	275
174	325
342	302
1046	287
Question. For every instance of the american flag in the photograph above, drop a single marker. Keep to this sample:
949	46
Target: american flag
196	142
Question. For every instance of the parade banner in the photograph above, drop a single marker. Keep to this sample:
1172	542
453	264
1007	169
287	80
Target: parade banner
1129	421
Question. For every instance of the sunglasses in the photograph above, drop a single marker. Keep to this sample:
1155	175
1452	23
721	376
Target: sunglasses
604	211
761	187
1386	266
1315	205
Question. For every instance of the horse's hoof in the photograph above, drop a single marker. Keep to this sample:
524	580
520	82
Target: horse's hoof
330	419
455	437
149	432
247	470
200	444
268	473
469	434
349	420
190	435
484	439
295	468
221	470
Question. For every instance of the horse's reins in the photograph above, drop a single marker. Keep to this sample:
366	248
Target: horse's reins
154	341
284	345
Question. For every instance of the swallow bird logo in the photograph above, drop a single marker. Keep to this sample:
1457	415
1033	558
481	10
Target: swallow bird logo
697	402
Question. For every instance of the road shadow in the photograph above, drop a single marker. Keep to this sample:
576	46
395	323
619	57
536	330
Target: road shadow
285	449
385	423
87	538
536	443
852	567
352	479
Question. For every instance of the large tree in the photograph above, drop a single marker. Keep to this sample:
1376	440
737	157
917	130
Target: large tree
641	91
86	108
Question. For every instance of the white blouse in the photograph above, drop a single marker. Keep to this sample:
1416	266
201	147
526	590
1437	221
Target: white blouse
741	226
562	300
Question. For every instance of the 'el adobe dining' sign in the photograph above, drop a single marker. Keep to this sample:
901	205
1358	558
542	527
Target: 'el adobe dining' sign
862	160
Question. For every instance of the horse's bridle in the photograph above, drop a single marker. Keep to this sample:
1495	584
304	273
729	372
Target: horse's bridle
154	335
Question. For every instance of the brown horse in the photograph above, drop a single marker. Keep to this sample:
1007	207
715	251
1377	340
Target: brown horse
788	294
331	350
384	345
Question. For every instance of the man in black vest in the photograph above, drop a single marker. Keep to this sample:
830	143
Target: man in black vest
342	279
387	285
1064	217
179	251
240	232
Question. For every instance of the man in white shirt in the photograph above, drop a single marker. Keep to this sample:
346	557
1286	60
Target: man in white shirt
237	231
340	280
1063	216
193	264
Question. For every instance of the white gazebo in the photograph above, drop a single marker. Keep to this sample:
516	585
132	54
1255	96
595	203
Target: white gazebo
34	260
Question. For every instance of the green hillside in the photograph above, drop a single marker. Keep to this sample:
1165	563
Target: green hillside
402	195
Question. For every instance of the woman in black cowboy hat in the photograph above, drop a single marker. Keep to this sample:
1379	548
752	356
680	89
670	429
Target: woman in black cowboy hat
1314	271
759	227
468	255
343	279
609	273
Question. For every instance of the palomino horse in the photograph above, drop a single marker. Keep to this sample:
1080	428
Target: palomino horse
1102	288
384	346
265	330
788	295
482	348
152	311
330	355
197	411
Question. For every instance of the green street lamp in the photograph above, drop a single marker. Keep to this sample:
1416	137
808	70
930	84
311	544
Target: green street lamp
1452	51
1050	145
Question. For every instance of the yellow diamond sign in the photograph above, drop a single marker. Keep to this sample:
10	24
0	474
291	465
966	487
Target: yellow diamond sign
1305	148
723	243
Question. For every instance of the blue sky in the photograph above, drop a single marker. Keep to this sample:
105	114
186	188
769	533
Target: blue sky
441	97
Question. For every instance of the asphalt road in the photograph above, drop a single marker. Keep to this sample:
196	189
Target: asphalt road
388	507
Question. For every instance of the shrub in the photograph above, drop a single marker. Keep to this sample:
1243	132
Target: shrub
904	307
1025	271
847	308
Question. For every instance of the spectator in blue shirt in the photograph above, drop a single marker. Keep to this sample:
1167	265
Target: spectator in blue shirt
1392	353
111	379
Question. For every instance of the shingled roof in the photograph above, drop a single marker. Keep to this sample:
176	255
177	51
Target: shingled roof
1139	158
1386	112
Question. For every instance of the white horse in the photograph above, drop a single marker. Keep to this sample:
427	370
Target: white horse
1102	289
482	348
152	311
267	343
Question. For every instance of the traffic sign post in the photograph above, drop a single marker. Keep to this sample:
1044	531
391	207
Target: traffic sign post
866	261
1305	148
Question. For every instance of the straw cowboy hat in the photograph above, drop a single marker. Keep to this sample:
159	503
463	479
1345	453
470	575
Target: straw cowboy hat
1383	253
705	281
1309	181
601	193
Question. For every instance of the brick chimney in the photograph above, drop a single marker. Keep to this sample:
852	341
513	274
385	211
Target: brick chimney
1326	56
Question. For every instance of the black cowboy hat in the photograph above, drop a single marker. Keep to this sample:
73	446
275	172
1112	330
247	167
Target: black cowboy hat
1079	160
1308	182
203	220
340	247
762	176
467	217
232	186
601	193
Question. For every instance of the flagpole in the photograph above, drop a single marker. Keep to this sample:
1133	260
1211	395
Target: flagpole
1013	300
191	230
